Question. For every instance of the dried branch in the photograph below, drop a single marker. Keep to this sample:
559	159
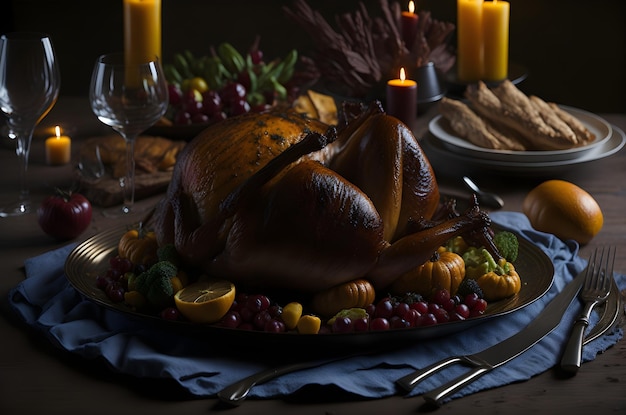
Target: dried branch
362	51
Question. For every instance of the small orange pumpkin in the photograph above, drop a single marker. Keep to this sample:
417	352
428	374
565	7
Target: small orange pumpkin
445	269
139	246
357	293
502	283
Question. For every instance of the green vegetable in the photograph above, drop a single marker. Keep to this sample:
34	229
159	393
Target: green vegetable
456	245
352	313
155	283
469	286
168	253
507	245
478	261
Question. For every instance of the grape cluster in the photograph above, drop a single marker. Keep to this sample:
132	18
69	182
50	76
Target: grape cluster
254	312
412	310
195	107
113	281
209	89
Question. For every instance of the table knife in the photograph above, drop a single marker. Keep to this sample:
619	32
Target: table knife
499	354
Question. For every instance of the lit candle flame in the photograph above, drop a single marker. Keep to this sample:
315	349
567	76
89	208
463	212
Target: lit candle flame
402	75
57	130
412	6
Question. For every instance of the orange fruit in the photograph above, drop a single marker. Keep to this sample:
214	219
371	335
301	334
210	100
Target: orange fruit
563	209
205	301
309	324
291	314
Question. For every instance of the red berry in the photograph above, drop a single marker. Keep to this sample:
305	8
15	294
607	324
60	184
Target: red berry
232	319
420	306
441	297
481	305
170	313
384	309
400	309
342	325
274	326
462	310
260	319
441	315
232	93
411	316
427	319
470	300
379	324
361	324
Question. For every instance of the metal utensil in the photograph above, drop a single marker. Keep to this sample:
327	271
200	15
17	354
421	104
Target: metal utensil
595	291
486	198
236	393
498	354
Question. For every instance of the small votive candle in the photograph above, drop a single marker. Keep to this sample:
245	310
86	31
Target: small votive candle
402	99
58	149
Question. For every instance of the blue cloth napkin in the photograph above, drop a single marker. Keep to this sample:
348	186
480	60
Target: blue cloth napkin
46	301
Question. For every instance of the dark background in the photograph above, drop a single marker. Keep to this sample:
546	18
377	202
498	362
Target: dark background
574	50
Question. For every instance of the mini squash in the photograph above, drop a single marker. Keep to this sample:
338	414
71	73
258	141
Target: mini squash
357	293
501	283
139	246
444	270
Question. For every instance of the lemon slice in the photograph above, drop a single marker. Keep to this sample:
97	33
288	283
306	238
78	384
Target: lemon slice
205	301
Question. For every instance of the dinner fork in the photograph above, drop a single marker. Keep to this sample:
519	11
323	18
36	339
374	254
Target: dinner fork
595	291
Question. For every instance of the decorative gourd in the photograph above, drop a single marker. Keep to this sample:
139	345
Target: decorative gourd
445	269
502	283
357	293
139	246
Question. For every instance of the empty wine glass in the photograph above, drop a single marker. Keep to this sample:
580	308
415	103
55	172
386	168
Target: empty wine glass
130	98
29	87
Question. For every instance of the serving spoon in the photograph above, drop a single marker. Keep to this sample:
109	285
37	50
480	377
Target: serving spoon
486	198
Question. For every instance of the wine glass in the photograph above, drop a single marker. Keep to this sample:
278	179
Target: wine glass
29	87
130	98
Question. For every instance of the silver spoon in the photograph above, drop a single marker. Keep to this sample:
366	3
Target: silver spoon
486	198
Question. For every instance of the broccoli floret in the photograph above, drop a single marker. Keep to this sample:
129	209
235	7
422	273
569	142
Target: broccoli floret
168	253
456	245
469	286
507	244
478	261
155	283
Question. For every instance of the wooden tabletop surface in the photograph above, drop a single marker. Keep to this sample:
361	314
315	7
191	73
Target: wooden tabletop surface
38	378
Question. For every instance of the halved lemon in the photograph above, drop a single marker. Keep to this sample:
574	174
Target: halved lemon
205	301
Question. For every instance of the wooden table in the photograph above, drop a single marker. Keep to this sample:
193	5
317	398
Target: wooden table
37	378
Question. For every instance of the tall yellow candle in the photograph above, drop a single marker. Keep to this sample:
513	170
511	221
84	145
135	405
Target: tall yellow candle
142	30
496	40
469	40
58	149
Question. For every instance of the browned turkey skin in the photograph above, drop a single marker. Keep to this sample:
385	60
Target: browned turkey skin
278	201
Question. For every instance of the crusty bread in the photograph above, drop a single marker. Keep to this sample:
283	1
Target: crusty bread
467	124
529	122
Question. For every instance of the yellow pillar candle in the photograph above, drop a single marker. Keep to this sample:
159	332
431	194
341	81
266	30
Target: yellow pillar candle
58	149
469	40
496	40
142	30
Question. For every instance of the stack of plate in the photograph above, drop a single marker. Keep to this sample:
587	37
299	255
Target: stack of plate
442	142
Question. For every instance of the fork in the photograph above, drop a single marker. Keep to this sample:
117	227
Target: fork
595	291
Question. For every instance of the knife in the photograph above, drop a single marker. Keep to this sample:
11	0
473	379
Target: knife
499	354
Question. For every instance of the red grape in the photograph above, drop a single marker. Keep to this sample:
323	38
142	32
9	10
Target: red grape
379	324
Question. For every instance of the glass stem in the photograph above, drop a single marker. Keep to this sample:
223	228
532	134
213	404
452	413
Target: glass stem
129	181
23	138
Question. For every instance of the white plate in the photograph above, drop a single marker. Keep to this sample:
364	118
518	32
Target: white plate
440	156
440	128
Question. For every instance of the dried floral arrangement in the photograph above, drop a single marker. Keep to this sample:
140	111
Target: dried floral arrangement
361	52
